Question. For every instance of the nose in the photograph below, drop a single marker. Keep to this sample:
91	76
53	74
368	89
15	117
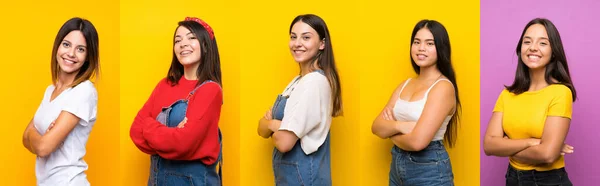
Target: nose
533	47
421	47
297	43
183	44
71	52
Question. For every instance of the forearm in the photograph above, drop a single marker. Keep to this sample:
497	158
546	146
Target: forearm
36	145
503	147
264	128
385	128
26	141
406	142
536	155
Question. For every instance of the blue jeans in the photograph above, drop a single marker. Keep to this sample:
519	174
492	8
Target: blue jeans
428	167
295	167
556	177
165	172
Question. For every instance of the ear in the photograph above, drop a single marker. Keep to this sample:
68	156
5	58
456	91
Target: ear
322	44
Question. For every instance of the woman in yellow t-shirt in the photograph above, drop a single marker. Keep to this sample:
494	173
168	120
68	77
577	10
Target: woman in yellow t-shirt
532	116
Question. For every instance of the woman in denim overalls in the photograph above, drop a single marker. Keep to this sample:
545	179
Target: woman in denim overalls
422	112
300	119
178	125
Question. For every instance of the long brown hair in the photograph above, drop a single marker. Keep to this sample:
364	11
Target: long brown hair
325	59
210	64
444	65
91	65
557	68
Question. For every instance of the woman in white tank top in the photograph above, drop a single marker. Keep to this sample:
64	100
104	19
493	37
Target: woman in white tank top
423	112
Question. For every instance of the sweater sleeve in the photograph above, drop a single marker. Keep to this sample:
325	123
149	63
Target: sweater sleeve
141	120
199	138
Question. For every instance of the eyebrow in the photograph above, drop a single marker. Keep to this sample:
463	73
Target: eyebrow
185	34
528	37
302	33
425	40
64	40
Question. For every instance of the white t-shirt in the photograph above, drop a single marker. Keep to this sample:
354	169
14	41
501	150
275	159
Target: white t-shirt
308	110
65	166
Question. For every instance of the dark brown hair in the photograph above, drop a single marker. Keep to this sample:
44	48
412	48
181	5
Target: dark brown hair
210	64
557	68
444	65
91	65
325	58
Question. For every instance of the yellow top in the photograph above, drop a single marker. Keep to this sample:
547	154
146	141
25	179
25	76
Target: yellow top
524	116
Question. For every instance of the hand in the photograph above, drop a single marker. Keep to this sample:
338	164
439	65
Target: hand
533	142
50	127
388	114
269	115
406	127
182	123
566	149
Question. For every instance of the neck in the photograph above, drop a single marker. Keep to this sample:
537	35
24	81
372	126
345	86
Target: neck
538	79
65	79
189	71
430	72
305	67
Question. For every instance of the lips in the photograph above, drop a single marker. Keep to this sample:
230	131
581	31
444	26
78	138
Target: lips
298	52
533	57
185	52
68	61
421	56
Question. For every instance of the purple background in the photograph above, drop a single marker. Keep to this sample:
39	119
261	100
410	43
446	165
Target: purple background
579	25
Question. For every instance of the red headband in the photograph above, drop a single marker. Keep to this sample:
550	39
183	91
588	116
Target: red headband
211	33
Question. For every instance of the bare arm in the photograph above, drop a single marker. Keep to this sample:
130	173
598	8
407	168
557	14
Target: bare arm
264	129
440	103
551	145
26	136
49	142
385	125
495	144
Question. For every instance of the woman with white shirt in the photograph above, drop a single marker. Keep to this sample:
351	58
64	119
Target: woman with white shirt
300	119
60	128
423	112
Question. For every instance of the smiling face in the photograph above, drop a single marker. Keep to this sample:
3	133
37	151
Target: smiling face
72	52
186	47
423	50
535	47
305	42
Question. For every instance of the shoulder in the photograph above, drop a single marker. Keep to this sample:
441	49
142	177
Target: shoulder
314	79
443	87
85	88
560	90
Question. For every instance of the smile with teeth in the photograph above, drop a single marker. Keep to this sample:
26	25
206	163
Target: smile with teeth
298	51
185	52
67	61
533	57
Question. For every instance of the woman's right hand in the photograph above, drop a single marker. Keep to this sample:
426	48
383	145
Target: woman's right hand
269	115
566	149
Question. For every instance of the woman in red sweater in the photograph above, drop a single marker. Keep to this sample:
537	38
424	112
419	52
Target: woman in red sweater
178	125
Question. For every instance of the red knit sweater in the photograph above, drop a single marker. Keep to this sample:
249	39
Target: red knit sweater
198	140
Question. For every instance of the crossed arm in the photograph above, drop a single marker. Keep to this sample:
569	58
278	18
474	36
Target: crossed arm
415	136
531	150
44	145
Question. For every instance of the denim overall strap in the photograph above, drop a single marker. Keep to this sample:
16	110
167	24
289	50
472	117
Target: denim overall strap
220	158
194	91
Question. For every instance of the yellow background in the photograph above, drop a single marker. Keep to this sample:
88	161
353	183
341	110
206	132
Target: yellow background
147	29
267	67
27	36
385	63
